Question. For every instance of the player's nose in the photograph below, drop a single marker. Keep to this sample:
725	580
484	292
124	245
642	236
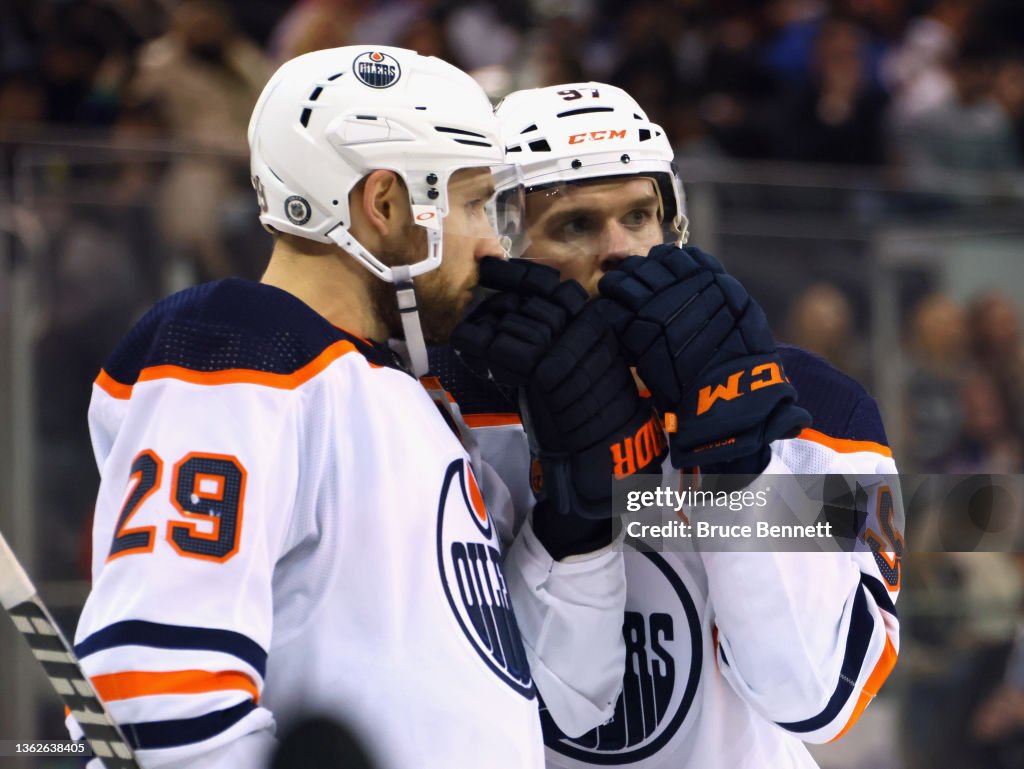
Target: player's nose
616	243
488	245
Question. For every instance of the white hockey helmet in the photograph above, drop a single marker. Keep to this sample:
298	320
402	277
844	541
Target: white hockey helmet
569	133
328	118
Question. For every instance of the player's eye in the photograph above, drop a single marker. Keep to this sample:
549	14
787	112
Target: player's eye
576	227
638	217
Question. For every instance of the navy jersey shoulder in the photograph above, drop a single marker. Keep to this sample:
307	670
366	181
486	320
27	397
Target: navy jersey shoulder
473	394
230	324
839	405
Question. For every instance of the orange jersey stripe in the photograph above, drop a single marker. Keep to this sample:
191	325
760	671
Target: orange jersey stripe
881	672
112	387
433	383
231	376
123	686
843	445
491	420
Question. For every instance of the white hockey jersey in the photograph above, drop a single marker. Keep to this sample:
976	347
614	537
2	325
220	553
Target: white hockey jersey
734	660
285	526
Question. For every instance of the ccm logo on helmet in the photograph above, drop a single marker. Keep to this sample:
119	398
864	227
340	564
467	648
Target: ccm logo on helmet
596	136
376	69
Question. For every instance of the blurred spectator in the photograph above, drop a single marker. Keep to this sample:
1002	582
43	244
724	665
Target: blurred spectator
203	77
998	723
22	99
426	36
556	55
688	133
1009	92
314	24
645	64
998	348
987	443
916	71
938	354
21	25
837	116
962	612
739	107
86	62
789	52
821	320
968	130
480	36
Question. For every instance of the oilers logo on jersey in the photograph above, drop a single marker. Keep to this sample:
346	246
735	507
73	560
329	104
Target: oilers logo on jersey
663	665
473	580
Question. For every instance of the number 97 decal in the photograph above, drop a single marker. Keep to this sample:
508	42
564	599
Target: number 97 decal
207	489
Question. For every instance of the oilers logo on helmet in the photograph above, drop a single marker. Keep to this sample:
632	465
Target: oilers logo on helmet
663	665
376	69
473	581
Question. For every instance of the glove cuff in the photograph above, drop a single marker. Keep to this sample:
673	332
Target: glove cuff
580	484
564	535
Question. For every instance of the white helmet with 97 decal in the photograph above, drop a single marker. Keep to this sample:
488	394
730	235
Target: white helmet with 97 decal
576	132
326	119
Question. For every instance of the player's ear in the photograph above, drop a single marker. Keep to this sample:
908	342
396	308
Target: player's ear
383	201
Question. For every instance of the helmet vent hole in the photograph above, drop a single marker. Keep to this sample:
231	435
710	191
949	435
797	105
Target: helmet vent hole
472	143
585	111
460	131
528	129
421	108
541	145
316	93
336	76
304	117
637	116
645	135
517	148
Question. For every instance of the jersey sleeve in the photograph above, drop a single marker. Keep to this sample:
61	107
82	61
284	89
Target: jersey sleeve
198	484
570	616
808	638
569	612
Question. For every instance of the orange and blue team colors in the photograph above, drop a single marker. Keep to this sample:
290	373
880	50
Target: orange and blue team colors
284	521
732	662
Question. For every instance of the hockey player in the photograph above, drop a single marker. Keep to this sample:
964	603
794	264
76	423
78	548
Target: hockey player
734	660
287	523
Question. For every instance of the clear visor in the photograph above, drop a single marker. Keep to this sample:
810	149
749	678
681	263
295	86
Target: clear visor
592	220
476	210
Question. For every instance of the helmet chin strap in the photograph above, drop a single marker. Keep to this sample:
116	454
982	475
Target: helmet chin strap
414	351
415	344
429	218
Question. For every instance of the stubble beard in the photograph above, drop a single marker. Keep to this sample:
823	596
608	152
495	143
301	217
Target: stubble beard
440	303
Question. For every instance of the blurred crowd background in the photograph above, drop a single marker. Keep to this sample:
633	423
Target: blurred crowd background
857	163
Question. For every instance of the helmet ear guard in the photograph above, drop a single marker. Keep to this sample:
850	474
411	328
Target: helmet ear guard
580	132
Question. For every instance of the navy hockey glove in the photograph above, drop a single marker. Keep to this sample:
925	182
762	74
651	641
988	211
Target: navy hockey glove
580	406
703	347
